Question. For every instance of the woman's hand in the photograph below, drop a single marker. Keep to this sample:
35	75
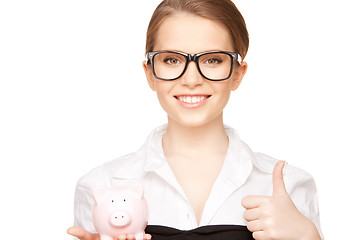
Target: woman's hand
276	216
82	234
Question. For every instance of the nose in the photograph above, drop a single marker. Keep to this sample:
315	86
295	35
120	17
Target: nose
192	76
120	219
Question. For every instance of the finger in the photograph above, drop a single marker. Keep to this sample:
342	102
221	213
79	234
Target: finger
147	237
254	226
82	234
259	235
252	214
278	180
250	202
121	237
130	237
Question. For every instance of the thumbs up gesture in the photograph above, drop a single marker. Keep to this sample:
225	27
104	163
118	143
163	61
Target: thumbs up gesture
276	216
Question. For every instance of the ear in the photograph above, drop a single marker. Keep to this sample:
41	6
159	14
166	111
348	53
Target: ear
99	194
149	75
138	189
239	73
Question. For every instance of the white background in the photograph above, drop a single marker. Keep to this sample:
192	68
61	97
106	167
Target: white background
73	95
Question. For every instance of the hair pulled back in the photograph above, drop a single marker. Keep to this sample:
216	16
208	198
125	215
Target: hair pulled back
222	11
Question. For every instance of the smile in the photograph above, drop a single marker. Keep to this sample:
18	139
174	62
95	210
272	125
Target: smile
192	100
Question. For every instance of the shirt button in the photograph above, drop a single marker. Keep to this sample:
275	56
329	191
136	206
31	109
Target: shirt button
188	216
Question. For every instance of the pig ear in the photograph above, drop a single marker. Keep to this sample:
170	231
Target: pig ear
138	189
99	193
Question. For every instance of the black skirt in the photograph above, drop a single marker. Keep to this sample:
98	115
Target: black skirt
211	232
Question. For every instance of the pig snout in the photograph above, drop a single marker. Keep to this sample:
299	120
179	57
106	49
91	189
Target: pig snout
120	219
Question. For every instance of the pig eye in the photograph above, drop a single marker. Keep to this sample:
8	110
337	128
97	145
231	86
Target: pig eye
112	200
124	200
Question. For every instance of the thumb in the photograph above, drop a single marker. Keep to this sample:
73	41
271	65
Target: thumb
278	180
82	234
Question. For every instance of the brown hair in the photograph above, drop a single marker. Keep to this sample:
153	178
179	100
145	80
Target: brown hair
222	11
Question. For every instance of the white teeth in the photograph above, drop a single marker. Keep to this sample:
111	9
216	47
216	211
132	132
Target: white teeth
194	99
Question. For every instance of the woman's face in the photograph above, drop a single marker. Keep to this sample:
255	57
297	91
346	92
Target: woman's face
192	100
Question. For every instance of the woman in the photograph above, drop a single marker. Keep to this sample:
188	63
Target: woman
197	174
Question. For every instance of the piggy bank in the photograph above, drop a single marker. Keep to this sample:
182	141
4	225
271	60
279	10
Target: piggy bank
120	210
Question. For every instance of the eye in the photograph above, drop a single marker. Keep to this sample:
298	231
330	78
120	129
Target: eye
112	200
172	61
124	200
213	61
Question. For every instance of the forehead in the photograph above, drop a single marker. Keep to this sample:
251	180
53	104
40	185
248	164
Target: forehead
192	34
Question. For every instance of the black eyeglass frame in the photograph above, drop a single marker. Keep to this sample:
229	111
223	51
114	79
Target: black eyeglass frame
191	57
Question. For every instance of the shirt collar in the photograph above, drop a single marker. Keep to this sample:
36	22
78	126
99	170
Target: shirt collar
237	166
236	169
239	159
136	165
155	156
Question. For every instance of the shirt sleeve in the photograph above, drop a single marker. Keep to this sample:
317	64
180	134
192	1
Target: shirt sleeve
83	208
303	192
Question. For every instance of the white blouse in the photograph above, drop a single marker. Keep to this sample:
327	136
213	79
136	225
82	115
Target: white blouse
243	173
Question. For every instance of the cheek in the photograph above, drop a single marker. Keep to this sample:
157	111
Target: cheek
223	95
224	91
162	100
163	90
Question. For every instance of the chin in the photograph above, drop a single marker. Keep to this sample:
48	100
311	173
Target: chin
195	121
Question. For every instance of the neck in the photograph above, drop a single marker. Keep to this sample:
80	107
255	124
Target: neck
209	138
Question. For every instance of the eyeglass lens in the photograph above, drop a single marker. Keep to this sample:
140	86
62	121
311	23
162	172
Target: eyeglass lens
214	66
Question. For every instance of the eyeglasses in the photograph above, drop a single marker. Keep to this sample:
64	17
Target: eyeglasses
212	65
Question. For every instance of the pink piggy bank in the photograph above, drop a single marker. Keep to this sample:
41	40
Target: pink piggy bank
120	210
